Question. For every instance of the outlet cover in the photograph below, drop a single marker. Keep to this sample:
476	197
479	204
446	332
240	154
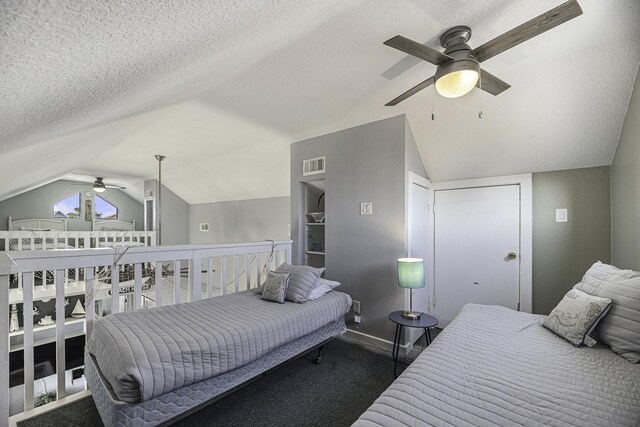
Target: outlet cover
204	226
366	208
356	306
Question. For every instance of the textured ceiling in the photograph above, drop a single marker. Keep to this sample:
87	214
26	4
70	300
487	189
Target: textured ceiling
223	87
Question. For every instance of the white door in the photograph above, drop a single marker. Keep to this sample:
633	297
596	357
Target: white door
418	246
476	230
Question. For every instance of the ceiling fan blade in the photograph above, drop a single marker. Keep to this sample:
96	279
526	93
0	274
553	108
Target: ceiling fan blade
115	186
491	83
417	88
538	25
418	50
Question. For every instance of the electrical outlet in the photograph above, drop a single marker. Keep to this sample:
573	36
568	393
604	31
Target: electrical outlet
356	306
357	319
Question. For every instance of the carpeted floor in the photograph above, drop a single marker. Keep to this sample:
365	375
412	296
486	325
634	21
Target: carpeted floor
300	393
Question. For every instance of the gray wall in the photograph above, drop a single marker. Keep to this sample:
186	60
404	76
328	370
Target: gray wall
364	163
38	203
563	251
413	160
241	221
625	189
175	215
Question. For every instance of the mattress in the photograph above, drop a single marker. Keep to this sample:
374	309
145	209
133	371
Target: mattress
164	409
495	366
148	353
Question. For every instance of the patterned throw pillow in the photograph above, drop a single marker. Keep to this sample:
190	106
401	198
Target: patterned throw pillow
576	316
275	287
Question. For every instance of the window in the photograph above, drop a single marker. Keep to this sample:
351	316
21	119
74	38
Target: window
105	210
67	208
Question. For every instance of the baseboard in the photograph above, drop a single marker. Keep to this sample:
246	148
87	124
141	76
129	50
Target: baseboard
379	343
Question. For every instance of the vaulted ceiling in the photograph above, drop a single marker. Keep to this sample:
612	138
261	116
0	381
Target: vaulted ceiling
223	87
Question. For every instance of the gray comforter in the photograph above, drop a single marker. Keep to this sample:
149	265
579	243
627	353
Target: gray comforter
495	366
147	353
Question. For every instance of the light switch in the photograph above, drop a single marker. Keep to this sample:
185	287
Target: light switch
366	208
561	215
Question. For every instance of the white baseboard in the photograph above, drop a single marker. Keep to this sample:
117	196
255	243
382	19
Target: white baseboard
379	343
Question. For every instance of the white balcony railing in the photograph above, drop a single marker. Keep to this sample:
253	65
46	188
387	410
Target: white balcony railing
110	280
19	240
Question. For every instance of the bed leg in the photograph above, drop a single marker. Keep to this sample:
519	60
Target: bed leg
318	359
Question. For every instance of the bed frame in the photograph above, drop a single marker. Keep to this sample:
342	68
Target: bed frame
37	223
112	225
170	407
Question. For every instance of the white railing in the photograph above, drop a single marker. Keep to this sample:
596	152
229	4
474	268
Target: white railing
49	240
160	275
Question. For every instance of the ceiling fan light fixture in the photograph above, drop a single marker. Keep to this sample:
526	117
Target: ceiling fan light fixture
457	78
98	186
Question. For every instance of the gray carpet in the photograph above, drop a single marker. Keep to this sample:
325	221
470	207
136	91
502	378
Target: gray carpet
300	393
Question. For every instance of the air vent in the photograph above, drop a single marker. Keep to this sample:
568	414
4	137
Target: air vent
204	226
314	166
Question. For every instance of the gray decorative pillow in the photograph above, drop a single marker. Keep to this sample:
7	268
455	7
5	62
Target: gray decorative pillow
275	287
576	316
620	330
302	281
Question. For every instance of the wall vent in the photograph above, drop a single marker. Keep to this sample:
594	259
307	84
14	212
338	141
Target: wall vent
204	226
314	166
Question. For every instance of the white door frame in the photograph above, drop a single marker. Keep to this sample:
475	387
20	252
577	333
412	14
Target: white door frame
415	179
526	229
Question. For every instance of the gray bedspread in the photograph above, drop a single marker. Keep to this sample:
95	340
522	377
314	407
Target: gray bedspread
146	353
494	366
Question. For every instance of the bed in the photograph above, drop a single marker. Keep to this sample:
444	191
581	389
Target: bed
37	234
37	224
112	225
496	366
150	366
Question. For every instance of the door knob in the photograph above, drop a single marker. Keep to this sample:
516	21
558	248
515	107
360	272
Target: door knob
512	255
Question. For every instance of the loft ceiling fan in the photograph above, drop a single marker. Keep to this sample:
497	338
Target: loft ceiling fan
99	186
459	66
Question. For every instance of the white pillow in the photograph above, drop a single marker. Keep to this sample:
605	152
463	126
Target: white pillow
322	287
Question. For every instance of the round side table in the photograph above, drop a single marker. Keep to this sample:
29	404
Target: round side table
425	322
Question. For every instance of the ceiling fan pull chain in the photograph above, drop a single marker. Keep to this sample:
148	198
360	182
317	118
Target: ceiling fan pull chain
433	114
480	96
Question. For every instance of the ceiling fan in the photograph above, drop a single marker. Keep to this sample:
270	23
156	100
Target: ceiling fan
459	66
99	186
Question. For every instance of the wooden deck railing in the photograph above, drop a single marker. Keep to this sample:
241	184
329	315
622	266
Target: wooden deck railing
113	279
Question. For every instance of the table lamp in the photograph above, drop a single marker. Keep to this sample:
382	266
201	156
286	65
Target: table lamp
411	276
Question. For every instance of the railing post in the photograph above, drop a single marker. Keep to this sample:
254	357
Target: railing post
196	278
7	267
